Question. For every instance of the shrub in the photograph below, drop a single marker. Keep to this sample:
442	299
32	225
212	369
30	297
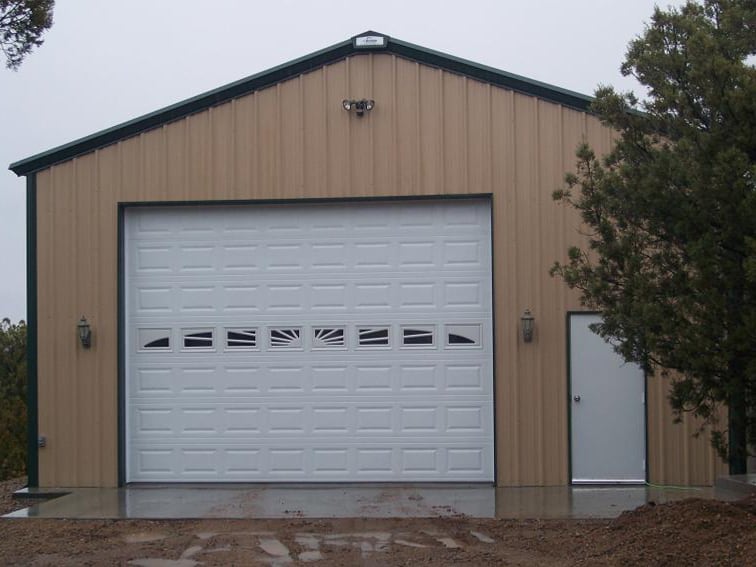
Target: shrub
12	399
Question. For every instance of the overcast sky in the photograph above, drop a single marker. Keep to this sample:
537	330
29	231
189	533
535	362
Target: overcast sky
107	61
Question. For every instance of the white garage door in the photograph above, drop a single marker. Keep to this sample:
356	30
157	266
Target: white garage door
328	342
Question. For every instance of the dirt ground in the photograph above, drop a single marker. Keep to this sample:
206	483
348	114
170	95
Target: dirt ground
687	532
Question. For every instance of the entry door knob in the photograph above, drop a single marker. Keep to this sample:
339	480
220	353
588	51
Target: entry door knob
576	398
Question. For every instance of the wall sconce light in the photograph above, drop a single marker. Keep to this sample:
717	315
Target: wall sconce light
360	107
527	321
85	332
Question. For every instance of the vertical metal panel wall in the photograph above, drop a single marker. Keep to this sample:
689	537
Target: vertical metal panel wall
431	133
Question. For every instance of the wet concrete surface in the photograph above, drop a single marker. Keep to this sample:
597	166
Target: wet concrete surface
742	483
275	501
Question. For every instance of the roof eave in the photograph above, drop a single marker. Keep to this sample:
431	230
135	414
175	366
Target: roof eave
491	75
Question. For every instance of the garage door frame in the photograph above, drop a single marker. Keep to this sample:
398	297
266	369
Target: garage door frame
122	329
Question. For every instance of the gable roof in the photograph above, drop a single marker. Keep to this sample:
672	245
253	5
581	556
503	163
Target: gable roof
292	69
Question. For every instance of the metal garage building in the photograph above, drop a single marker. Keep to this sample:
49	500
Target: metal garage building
321	273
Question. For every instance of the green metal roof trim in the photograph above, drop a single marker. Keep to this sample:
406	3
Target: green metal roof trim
293	69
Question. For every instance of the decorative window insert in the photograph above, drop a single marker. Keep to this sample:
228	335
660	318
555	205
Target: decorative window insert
373	336
198	339
241	339
462	336
285	337
418	336
154	339
328	337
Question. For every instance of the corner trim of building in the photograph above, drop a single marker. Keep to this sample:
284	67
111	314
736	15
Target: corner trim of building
645	426
32	456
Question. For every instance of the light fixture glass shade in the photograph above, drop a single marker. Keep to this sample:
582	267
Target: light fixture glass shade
527	321
347	104
85	332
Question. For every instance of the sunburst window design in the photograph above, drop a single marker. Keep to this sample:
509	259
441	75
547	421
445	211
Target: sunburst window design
417	336
288	337
198	339
328	337
241	339
462	336
155	339
373	336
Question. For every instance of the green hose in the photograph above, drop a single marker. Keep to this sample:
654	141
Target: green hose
672	487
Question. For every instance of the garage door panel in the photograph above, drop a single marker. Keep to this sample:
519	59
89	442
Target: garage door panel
468	377
315	342
154	300
466	460
415	377
331	379
465	295
333	420
149	259
196	259
241	298
373	296
196	299
334	380
374	378
464	254
328	256
285	298
328	219
418	295
205	463
357	256
348	420
243	257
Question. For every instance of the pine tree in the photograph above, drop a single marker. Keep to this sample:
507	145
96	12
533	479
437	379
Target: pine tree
22	23
671	214
12	399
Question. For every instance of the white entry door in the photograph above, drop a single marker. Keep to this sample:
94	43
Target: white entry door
607	398
313	342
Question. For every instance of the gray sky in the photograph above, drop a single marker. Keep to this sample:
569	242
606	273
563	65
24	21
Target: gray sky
107	61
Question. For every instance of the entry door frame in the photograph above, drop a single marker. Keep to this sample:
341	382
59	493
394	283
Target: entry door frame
568	333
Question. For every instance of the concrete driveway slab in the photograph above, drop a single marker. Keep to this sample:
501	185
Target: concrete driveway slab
266	501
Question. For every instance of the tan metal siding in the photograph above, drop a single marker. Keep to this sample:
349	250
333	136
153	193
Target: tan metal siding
676	456
431	133
77	389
